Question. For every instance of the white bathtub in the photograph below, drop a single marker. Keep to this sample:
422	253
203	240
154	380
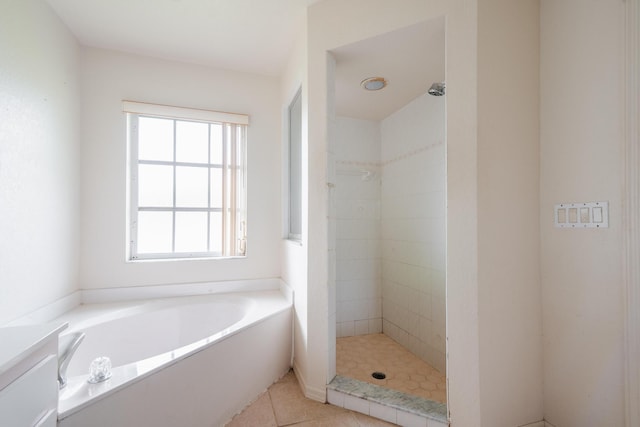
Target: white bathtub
187	361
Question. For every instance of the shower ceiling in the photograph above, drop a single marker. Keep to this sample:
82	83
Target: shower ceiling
410	60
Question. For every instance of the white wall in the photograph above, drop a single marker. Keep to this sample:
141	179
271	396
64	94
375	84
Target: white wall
39	113
107	79
413	228
582	132
294	254
493	307
358	251
508	213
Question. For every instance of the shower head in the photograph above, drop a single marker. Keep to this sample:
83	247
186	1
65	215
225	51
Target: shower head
437	89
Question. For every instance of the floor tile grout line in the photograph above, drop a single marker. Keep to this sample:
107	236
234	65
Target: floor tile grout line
354	417
273	411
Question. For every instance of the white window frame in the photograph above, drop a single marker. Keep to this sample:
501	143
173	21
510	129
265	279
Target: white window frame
234	226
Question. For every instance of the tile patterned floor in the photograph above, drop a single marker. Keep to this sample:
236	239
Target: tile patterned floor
359	356
283	404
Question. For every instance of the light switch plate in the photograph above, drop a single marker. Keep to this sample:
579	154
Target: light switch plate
582	215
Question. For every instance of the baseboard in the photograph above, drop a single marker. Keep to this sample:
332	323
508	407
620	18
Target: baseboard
538	424
314	393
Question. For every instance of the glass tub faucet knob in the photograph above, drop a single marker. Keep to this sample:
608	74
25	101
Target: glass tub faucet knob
100	370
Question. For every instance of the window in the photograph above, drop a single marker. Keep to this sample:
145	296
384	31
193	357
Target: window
187	182
295	168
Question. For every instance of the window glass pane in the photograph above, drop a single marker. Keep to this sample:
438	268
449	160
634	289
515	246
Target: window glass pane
155	139
228	145
191	231
216	143
155	186
154	232
191	187
239	146
216	187
192	142
295	167
215	231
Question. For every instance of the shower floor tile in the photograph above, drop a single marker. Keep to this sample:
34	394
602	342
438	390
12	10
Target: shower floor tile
358	357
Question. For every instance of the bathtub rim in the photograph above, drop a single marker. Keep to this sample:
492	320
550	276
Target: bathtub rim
112	311
92	393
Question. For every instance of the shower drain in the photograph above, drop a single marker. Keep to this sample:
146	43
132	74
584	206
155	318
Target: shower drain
379	375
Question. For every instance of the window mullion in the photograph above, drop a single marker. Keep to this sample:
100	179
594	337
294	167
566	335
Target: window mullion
172	163
169	209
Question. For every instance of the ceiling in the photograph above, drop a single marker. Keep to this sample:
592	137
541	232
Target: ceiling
244	35
257	36
410	59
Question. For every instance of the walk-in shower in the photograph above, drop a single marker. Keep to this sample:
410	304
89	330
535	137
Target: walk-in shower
388	153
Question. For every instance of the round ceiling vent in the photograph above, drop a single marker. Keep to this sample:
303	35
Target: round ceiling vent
373	83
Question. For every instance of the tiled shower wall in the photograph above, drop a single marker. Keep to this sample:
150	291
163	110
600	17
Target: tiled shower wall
357	200
390	227
413	228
